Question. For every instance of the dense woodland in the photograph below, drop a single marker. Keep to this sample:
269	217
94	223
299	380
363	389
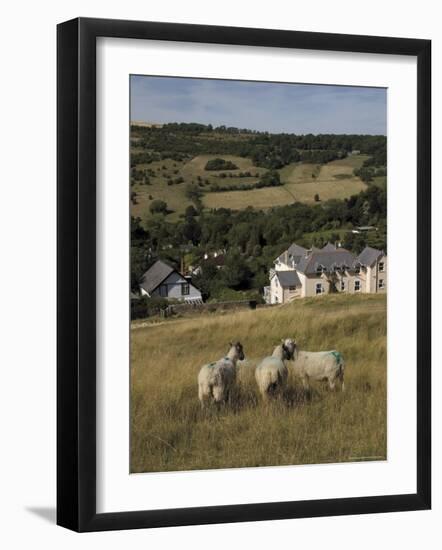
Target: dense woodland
253	238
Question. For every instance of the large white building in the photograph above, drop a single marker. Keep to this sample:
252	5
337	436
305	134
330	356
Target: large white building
299	272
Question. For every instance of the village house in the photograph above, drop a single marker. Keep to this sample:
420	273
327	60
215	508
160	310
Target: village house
299	272
162	280
216	258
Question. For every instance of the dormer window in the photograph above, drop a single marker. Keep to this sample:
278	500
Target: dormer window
358	269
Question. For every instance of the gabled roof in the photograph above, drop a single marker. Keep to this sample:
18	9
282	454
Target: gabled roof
369	256
155	275
329	247
294	253
288	278
327	260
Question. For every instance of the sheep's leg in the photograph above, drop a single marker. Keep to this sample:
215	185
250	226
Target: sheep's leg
305	384
201	396
341	379
331	384
227	397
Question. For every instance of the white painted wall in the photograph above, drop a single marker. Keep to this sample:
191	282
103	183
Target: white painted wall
174	284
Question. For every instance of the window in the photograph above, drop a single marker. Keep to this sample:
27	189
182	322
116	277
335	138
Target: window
185	289
319	288
358	269
163	291
292	288
357	286
342	285
381	267
381	283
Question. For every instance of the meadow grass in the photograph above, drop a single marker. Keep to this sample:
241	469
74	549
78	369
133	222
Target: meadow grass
170	432
301	182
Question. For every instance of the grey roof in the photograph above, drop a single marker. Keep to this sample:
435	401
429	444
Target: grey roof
294	252
288	278
369	256
328	260
329	247
155	275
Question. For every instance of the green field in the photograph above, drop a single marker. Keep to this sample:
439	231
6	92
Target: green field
301	182
170	432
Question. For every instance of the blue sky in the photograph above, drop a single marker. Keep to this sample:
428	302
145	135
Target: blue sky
293	108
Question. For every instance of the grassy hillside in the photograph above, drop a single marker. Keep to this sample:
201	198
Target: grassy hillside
301	182
169	431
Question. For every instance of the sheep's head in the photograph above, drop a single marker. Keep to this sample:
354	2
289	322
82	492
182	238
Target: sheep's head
288	348
239	350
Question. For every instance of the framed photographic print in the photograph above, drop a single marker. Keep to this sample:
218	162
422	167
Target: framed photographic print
243	274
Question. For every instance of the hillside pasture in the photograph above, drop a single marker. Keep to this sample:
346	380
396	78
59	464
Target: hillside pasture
170	432
299	172
301	182
196	166
268	197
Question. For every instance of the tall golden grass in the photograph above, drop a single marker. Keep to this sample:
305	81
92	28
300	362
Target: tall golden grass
169	431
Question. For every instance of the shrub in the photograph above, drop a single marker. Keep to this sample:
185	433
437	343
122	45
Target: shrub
220	164
158	207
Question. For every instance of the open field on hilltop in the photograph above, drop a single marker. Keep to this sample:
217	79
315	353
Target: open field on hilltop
340	189
258	198
170	432
299	172
268	197
195	167
353	161
301	182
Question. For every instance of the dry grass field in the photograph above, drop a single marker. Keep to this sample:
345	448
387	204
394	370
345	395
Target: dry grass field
268	197
170	432
301	183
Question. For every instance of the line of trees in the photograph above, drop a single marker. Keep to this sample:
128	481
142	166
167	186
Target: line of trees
179	141
254	238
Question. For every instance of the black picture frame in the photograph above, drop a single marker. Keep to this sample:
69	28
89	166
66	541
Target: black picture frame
76	274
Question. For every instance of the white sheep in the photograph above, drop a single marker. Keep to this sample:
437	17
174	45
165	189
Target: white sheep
318	365
272	373
216	380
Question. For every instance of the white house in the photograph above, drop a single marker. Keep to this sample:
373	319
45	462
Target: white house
299	272
162	280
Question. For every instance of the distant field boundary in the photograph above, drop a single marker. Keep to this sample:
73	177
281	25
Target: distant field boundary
210	306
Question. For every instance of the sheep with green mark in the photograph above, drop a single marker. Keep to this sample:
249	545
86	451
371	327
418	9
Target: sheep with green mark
317	366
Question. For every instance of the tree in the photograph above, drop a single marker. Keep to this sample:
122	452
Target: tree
190	212
236	272
269	179
194	194
158	207
220	164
